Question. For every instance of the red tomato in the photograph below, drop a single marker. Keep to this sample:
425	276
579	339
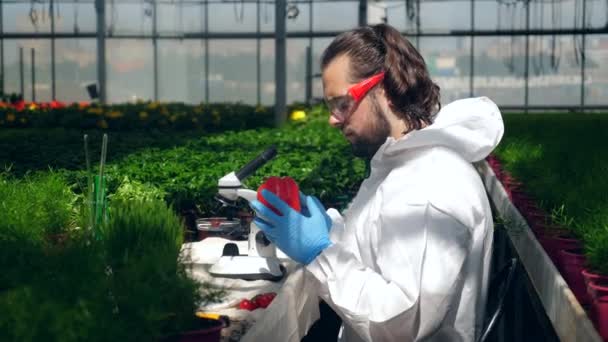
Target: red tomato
264	299
287	190
246	304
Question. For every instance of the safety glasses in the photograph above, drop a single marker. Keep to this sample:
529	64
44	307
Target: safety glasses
343	106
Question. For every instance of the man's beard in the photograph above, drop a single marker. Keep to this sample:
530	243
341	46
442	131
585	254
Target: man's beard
367	144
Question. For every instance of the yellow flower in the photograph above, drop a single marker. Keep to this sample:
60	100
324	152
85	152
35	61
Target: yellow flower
102	123
143	116
153	105
32	106
298	115
10	117
260	109
114	114
95	110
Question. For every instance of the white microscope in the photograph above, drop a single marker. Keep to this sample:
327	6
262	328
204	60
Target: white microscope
261	261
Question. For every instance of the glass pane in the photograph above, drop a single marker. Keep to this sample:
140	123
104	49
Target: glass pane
325	18
234	17
490	15
555	71
597	13
296	70
298	17
563	14
449	65
128	18
70	17
499	69
596	73
181	68
76	67
266	16
398	15
12	83
445	15
267	71
232	71
130	70
318	46
42	66
179	17
26	17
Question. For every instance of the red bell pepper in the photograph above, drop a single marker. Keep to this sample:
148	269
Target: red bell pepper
284	187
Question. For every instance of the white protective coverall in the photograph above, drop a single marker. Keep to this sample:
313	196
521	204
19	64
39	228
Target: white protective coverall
410	258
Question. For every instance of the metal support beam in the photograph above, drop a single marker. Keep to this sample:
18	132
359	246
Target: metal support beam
155	47
33	63
308	75
206	53
362	12
1	48
53	69
21	73
101	49
472	53
306	34
258	58
583	56
527	61
280	71
418	24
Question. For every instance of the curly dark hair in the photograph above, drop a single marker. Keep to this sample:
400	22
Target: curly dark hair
413	96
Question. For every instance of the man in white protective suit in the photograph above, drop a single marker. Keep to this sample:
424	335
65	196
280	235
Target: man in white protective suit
409	259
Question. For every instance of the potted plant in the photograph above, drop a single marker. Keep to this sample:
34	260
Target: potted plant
596	276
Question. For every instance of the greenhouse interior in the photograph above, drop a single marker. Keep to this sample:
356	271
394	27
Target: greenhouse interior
320	170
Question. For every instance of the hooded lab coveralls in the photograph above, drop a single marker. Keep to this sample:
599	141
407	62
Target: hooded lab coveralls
410	257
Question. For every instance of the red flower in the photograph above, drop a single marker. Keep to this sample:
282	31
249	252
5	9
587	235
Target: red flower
19	105
57	105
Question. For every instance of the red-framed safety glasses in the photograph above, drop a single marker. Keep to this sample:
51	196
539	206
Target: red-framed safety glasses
343	106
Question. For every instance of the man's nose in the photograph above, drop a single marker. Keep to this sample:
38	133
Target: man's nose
334	122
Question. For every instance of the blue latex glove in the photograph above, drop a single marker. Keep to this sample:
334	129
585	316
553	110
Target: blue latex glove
302	236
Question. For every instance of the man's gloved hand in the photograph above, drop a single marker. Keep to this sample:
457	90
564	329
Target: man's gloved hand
302	236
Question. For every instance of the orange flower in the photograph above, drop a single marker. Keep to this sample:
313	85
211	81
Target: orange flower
10	117
95	110
114	114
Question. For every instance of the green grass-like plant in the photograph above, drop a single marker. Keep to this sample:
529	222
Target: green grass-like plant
561	159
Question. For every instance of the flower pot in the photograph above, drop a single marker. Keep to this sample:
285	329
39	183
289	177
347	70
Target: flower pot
572	262
210	331
588	277
599	292
555	240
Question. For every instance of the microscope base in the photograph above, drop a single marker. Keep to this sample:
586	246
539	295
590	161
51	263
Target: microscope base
248	268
